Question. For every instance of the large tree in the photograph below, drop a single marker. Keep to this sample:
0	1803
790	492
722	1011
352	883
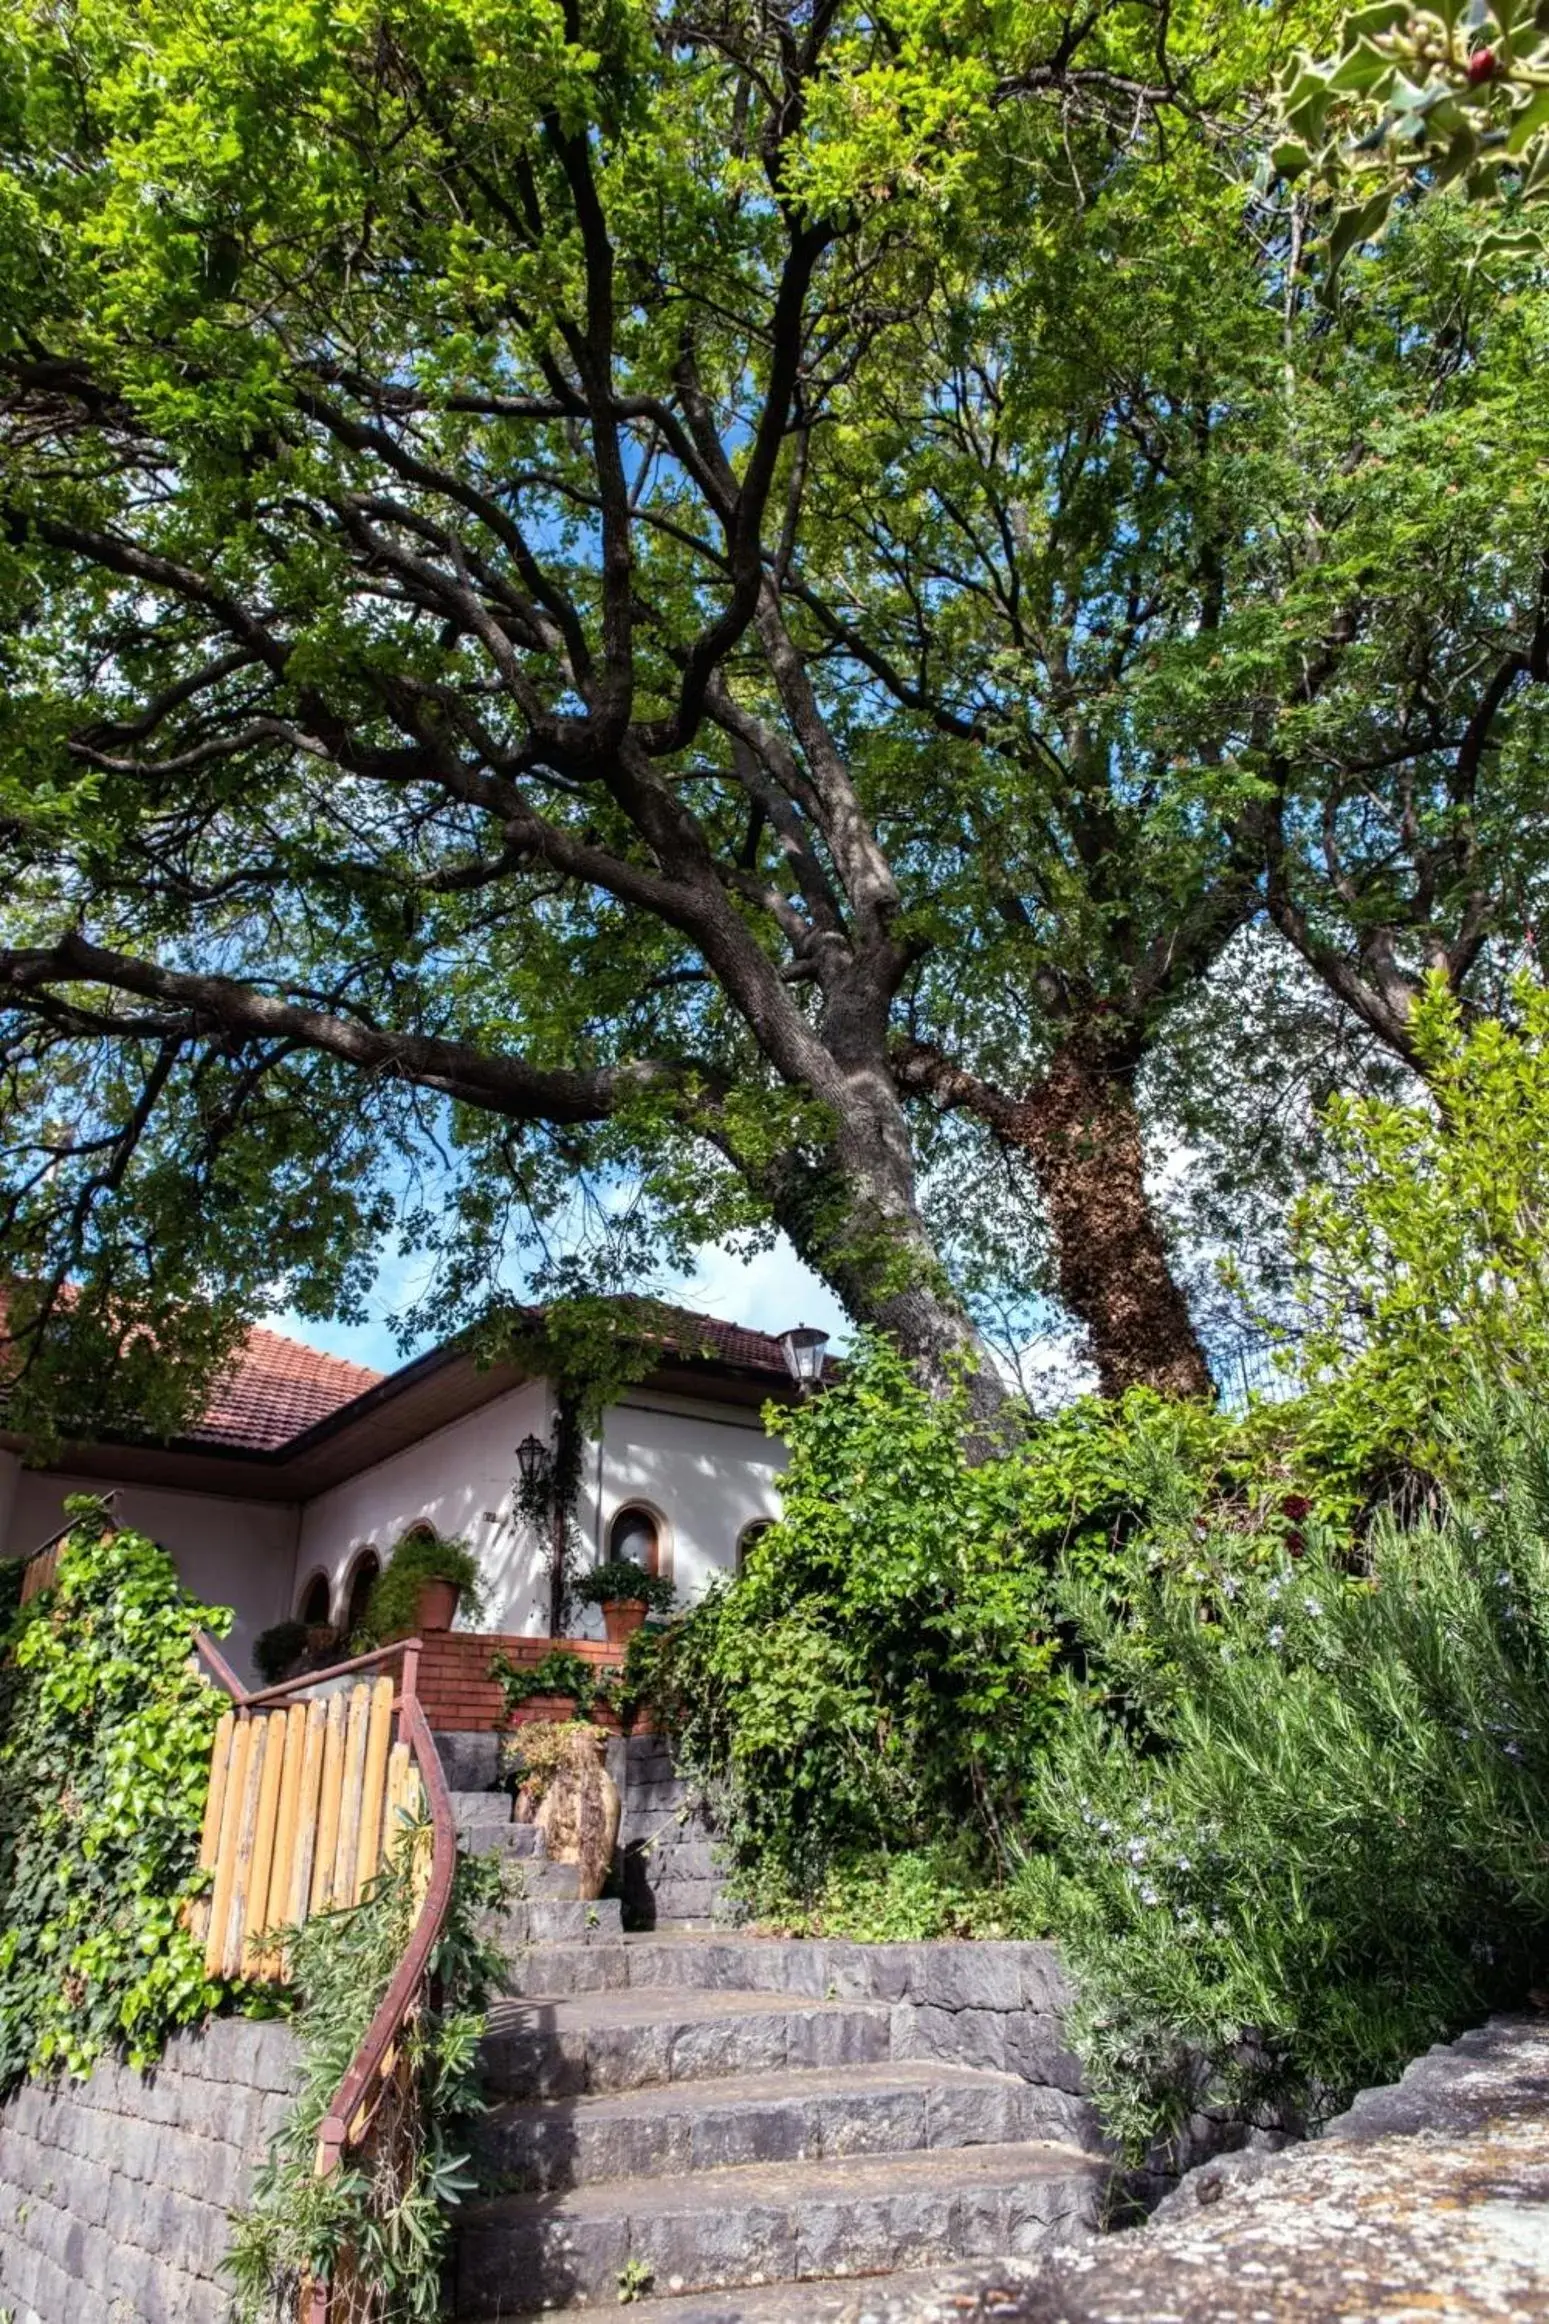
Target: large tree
657	592
411	422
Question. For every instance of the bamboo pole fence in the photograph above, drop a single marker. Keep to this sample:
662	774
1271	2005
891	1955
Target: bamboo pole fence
307	1802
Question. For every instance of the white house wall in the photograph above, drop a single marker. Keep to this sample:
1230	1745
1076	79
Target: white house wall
240	1554
707	1471
461	1480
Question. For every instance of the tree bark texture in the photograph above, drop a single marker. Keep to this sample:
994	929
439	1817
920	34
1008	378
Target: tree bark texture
1081	1133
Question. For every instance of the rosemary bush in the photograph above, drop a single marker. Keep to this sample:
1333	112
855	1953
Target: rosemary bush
1294	1825
377	2227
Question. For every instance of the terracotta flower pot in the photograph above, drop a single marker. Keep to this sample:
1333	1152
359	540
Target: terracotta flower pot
621	1618
437	1605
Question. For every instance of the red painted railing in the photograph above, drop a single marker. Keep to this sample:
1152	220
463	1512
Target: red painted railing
356	2102
40	1569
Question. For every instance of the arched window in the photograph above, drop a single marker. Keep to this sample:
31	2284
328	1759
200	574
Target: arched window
748	1536
636	1533
363	1574
316	1603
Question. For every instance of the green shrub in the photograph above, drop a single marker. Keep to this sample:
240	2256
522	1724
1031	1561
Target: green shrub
276	1650
622	1582
882	1899
1294	1825
1422	1256
559	1672
418	1556
103	1768
879	1674
882	1678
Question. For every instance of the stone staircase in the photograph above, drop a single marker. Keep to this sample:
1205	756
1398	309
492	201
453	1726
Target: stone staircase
683	2113
544	1905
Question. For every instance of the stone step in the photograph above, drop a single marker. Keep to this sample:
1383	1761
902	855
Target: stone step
559	1971
523	1842
611	2041
773	2222
533	1875
544	1918
479	1810
971	1975
679	1860
693	1901
664	2130
970	2292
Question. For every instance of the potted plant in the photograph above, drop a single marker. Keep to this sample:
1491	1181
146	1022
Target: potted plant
421	1586
290	1649
627	1594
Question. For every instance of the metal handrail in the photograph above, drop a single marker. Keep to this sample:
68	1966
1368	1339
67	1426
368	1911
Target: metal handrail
353	2102
303	1679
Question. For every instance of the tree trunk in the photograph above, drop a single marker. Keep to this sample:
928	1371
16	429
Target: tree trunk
850	1214
1080	1131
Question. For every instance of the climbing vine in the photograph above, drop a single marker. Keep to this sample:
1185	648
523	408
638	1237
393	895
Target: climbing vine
559	1673
103	1763
591	1350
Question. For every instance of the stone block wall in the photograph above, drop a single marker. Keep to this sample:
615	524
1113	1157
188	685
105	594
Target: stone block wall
666	1849
115	2192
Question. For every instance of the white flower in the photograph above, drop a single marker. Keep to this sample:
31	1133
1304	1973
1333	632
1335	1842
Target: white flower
1314	1607
1148	1895
1277	1636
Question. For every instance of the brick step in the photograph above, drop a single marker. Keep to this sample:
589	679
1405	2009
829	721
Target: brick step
610	2041
774	2222
665	2130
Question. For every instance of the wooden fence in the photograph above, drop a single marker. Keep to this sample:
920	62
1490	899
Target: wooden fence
306	1802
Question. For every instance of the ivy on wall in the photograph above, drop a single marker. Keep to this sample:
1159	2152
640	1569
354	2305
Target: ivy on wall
590	1349
105	1734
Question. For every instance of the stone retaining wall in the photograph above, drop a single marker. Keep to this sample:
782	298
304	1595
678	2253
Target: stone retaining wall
115	2192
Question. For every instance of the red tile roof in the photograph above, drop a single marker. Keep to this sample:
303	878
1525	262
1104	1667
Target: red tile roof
276	1389
733	1343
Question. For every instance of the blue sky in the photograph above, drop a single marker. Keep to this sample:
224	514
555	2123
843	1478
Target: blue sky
768	1291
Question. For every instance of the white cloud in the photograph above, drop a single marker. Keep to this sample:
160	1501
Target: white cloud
768	1291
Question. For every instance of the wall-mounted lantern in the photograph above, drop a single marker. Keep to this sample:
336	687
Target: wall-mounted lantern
534	1462
804	1348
